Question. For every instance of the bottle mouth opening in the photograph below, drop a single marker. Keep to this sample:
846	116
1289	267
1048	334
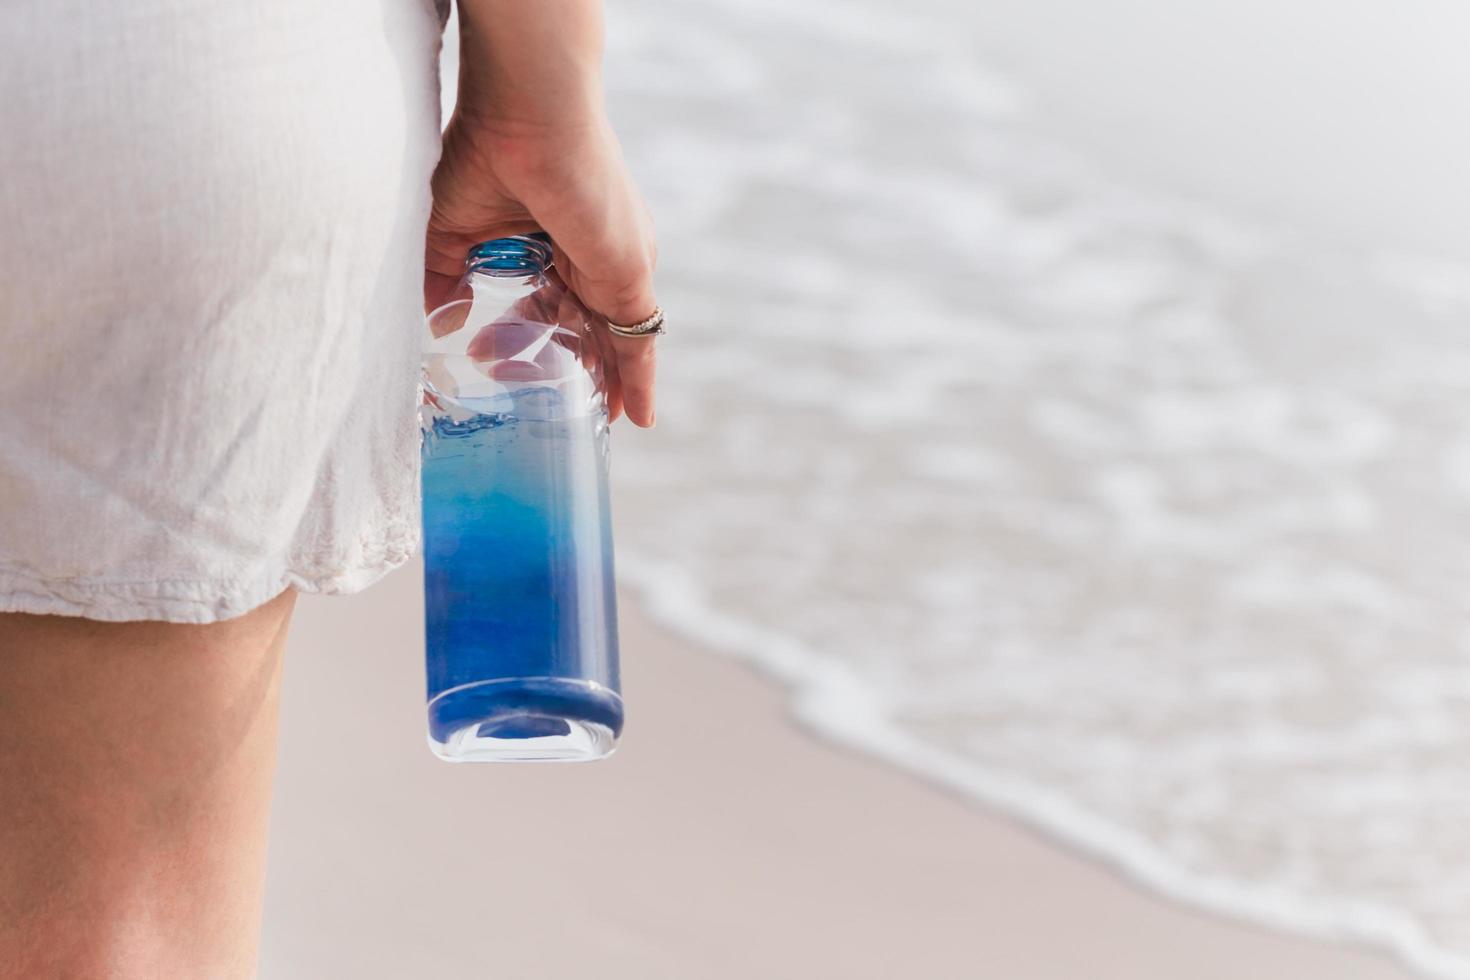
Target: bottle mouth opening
515	256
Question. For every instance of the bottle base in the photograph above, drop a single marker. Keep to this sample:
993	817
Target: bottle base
577	741
537	720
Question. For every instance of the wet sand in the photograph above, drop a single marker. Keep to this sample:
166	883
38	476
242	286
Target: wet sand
720	842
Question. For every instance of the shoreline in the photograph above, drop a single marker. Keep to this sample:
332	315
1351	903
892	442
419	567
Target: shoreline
828	705
722	840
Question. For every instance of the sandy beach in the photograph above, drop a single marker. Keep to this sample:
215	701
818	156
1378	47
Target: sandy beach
1095	401
720	842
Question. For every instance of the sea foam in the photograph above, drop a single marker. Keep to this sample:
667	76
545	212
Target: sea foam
1136	518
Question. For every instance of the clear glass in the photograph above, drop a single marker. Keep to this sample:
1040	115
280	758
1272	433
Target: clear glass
521	617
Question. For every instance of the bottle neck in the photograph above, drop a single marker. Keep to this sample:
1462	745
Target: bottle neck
516	257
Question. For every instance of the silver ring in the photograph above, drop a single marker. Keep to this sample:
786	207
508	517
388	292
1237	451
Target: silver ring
651	326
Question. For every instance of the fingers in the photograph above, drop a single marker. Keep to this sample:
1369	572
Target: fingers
614	392
626	297
618	284
636	362
631	366
605	241
621	291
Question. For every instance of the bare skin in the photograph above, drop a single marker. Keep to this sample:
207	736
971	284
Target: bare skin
136	759
530	148
135	775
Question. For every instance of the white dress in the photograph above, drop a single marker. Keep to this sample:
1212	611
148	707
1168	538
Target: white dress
211	266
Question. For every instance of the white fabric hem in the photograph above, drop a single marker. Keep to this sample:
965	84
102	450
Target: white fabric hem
182	601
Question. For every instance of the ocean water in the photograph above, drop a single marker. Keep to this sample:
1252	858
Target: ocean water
1140	516
521	618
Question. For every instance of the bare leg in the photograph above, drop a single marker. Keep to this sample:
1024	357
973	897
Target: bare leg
136	762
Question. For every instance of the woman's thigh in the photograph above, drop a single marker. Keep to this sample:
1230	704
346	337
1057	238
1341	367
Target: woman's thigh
136	762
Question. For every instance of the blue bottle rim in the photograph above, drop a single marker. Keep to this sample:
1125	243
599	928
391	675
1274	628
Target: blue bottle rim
514	254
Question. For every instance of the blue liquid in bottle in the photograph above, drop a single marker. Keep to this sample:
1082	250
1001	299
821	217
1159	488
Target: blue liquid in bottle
521	620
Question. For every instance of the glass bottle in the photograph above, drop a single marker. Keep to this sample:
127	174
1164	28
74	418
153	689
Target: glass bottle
520	610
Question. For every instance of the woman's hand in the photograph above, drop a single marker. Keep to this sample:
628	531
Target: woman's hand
521	157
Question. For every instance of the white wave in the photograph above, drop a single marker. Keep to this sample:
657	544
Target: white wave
839	705
1135	518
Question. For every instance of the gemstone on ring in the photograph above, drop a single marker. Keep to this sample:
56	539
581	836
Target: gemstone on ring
650	326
